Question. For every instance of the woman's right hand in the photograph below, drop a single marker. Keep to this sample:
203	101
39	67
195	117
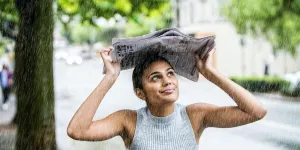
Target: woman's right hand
112	68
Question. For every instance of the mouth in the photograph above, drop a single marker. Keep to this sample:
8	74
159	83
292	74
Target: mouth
168	91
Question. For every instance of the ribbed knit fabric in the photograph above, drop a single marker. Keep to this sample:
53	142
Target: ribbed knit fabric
173	132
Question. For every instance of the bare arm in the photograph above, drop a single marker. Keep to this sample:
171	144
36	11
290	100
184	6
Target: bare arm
248	108
82	126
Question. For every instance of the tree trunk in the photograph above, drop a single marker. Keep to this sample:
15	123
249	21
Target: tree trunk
34	76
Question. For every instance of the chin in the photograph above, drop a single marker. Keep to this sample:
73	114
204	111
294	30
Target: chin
170	98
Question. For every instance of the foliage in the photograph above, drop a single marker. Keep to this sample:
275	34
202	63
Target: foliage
107	8
83	33
157	19
261	84
277	20
8	18
107	34
90	34
133	29
1	50
8	11
290	91
139	13
141	16
3	43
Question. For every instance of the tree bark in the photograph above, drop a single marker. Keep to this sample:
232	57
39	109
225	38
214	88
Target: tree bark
34	76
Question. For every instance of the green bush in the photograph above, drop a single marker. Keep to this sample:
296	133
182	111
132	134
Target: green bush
290	91
2	46
261	84
82	33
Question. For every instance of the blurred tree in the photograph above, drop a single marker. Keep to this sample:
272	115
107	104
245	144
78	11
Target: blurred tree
8	19
34	76
107	34
140	13
277	20
157	19
82	33
2	49
30	23
88	10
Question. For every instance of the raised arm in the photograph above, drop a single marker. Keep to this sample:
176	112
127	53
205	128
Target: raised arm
248	108
82	126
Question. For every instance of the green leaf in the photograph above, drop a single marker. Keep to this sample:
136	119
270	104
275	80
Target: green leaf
123	5
277	20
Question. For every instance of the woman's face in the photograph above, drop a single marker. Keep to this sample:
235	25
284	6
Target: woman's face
160	84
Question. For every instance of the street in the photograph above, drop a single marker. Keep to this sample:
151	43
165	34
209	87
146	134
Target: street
279	130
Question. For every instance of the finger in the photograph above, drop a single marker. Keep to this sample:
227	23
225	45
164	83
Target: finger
212	51
104	50
102	55
206	56
106	62
110	49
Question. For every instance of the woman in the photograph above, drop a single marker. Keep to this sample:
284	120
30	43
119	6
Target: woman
162	124
6	81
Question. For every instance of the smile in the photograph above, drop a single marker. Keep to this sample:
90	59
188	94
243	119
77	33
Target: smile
168	91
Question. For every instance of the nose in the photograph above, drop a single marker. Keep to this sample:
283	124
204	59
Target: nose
166	81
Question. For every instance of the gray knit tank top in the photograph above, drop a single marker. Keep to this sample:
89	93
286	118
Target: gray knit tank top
173	132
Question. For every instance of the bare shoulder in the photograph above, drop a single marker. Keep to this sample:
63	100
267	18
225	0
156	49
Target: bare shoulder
127	113
126	116
112	125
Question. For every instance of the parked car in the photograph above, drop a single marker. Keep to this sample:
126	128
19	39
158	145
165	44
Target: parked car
77	60
61	55
74	55
86	54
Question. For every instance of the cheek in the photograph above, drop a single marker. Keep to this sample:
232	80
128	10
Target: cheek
152	89
175	82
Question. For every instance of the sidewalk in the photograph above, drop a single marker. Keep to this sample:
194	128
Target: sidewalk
7	132
67	103
6	116
277	96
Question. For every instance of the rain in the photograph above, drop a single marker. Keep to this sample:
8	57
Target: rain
105	74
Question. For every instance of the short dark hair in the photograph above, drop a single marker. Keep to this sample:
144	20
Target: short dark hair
143	64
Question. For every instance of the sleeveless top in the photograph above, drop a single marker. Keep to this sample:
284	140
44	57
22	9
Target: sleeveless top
173	132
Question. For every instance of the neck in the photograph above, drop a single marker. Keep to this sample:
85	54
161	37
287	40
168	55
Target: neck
161	110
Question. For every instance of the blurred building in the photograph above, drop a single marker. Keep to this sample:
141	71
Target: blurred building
235	55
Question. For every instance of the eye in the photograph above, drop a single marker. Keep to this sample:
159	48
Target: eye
171	73
154	78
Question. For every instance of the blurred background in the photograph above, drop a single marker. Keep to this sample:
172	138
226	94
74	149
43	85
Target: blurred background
49	48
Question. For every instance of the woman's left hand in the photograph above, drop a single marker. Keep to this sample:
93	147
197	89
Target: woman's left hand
205	64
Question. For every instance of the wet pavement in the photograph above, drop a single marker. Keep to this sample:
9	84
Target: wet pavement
279	130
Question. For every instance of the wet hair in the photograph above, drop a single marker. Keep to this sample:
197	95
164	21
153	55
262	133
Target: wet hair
143	64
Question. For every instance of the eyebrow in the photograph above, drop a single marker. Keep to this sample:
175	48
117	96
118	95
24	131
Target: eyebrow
158	72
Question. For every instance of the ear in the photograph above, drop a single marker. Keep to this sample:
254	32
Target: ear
140	93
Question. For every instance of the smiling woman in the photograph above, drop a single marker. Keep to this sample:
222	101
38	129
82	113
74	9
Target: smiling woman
147	80
162	124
